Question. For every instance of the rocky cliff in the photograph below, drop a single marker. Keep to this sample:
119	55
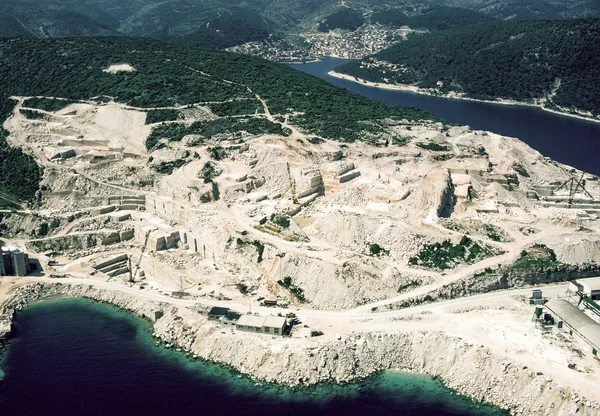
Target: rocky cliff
469	368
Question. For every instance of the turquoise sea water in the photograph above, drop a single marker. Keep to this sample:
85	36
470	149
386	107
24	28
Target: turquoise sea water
79	357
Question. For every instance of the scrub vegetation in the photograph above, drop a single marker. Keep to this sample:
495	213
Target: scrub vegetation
447	255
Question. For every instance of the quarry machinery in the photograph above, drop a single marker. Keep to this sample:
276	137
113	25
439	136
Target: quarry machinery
574	185
588	302
291	188
292	184
133	274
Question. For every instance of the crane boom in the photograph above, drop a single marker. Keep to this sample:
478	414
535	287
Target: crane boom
292	184
137	265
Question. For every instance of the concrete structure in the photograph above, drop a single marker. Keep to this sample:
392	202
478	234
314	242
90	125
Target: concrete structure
15	262
589	287
568	315
274	325
250	323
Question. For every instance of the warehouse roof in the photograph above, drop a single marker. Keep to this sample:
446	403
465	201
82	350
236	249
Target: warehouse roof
274	321
251	320
576	319
592	283
218	311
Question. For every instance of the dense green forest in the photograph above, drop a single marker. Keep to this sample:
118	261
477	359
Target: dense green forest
169	75
19	174
211	24
237	108
346	19
10	26
430	18
217	24
521	60
234	28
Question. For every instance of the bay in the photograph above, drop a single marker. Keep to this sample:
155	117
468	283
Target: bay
74	356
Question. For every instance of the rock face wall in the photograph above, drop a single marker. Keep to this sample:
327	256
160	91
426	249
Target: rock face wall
447	199
504	280
470	369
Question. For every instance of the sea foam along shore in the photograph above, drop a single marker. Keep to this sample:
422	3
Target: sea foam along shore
470	369
454	96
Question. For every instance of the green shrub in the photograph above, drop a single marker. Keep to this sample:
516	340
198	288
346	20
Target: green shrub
435	147
281	220
167	168
376	250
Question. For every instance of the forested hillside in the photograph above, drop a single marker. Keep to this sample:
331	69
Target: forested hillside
218	24
211	24
168	75
345	19
521	60
430	18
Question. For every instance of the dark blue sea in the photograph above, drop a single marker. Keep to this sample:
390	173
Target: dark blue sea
76	357
568	140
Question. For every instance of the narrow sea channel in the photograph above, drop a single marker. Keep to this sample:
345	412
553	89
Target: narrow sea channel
79	357
568	140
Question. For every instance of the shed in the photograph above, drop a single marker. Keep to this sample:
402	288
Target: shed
274	325
216	313
577	321
250	323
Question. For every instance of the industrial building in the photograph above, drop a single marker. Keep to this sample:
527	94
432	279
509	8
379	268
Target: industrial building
15	262
566	315
274	325
216	313
230	318
588	287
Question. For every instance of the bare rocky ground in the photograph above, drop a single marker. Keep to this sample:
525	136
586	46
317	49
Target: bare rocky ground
355	227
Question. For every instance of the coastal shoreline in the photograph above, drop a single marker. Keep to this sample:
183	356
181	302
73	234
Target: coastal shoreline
417	90
470	369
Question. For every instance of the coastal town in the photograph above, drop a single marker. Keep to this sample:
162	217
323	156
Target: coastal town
314	45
